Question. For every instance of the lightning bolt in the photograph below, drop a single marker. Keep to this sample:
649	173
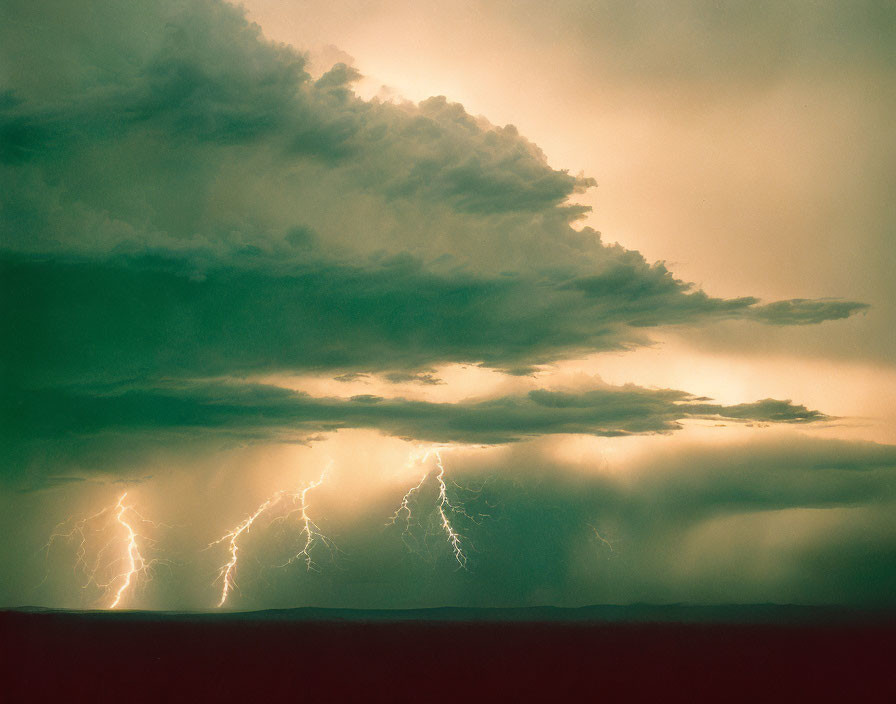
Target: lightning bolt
601	538
444	506
136	563
310	530
113	576
450	532
405	505
228	570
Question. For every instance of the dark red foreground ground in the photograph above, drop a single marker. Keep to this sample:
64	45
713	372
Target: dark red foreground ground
73	658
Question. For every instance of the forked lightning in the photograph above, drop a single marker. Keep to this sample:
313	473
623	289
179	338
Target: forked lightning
118	564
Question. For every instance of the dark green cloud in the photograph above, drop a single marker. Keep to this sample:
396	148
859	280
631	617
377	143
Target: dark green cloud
150	318
76	422
607	411
180	198
799	311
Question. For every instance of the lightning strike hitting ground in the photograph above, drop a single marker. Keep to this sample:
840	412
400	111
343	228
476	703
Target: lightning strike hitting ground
227	573
310	531
135	561
113	576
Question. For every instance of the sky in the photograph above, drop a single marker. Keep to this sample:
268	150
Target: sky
394	304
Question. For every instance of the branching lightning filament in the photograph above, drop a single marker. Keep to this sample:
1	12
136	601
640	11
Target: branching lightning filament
227	573
405	506
445	507
118	564
444	503
310	530
310	533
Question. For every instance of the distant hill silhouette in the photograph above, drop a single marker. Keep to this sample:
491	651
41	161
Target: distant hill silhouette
609	613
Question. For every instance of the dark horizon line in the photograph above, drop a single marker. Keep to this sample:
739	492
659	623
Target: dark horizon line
639	612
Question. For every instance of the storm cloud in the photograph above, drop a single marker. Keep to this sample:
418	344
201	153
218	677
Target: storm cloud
195	234
184	199
78	422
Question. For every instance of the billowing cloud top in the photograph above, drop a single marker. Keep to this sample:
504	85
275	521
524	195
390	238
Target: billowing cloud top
181	198
182	201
